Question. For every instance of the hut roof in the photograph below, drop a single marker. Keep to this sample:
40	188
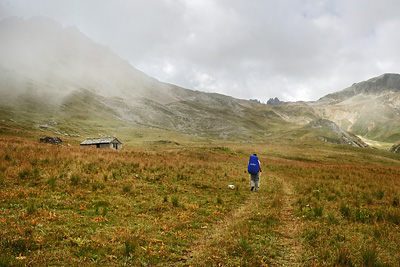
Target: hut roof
95	141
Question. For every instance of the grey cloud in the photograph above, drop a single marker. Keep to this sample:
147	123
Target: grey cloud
295	50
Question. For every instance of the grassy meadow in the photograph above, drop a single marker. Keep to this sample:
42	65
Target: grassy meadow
170	205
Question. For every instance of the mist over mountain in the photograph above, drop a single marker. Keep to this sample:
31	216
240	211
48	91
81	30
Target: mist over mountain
47	67
60	60
53	73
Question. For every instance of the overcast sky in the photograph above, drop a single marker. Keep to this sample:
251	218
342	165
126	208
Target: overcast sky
291	49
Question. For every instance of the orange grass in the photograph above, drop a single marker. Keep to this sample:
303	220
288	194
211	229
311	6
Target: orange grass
64	205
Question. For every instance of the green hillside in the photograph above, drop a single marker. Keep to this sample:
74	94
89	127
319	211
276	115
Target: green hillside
93	92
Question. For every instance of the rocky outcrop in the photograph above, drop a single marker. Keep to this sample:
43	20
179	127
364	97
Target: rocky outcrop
395	148
332	133
51	140
274	102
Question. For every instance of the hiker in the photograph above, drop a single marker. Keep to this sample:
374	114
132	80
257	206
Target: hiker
254	168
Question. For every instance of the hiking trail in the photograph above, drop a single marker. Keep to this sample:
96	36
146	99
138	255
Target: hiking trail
219	230
290	250
289	227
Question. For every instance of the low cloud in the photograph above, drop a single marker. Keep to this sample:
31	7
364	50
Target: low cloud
295	50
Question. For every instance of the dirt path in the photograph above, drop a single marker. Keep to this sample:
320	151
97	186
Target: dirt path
218	231
289	228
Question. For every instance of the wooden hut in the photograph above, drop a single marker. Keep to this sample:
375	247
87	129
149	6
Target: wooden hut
106	143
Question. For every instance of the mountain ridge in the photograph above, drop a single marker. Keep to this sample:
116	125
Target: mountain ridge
62	75
370	108
81	67
388	82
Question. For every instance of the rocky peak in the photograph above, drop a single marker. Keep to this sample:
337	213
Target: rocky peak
274	102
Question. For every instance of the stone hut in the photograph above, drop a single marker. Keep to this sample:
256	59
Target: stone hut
106	143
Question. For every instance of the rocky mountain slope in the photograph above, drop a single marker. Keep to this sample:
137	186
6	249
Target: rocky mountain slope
49	73
370	108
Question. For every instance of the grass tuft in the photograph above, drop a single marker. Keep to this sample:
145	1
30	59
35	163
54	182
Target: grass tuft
369	256
129	247
126	189
345	210
175	201
394	216
344	257
31	209
75	179
52	182
396	201
318	211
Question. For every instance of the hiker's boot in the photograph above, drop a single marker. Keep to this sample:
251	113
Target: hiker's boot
252	188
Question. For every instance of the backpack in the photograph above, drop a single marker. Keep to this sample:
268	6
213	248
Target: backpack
254	165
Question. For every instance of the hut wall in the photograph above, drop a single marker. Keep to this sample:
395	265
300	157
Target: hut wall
106	146
116	145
